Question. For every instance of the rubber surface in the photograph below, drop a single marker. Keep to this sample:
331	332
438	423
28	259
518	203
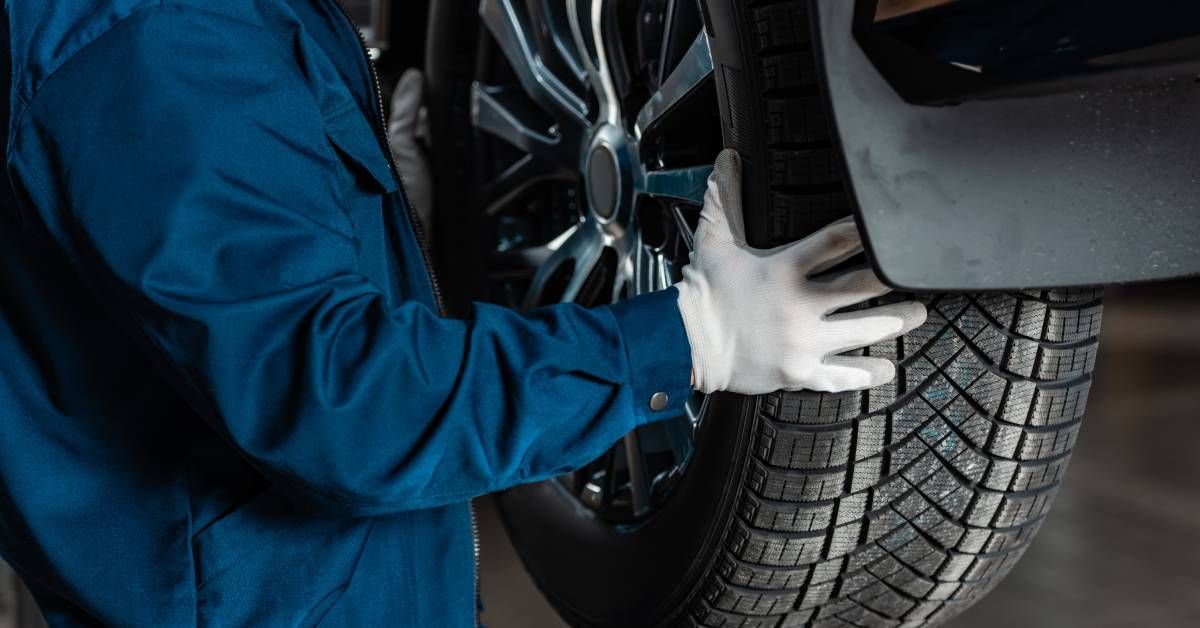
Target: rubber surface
775	116
904	505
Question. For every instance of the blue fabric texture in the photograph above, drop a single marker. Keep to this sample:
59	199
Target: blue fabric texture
226	394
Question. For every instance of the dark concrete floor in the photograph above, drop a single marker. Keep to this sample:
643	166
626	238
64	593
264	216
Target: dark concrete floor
1121	547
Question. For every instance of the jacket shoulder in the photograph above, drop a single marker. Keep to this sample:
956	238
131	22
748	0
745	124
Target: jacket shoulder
43	36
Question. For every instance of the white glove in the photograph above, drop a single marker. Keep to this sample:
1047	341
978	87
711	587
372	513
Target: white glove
756	320
404	135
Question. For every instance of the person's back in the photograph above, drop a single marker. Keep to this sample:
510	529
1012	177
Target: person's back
119	503
74	391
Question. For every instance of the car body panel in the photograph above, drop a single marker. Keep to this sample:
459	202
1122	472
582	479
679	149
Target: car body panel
1084	181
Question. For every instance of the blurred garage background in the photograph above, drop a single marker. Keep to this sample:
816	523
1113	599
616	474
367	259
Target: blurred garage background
1120	548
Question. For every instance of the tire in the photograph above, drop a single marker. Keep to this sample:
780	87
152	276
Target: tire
902	505
908	504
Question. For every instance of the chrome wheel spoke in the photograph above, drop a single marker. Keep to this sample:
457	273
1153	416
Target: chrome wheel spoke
695	68
511	27
651	271
679	434
580	247
511	184
696	407
499	111
597	66
683	228
665	274
557	27
609	488
647	269
639	480
519	260
681	184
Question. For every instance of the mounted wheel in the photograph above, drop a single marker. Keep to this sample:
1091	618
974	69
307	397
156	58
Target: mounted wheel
574	139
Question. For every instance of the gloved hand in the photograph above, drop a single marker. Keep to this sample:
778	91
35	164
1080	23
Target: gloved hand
756	319
404	136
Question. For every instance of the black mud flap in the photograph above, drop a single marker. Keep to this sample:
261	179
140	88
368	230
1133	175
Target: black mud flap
1034	151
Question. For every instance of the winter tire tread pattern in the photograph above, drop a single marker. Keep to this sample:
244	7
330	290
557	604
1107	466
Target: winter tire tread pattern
903	505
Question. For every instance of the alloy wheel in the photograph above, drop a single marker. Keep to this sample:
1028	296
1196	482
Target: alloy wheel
599	122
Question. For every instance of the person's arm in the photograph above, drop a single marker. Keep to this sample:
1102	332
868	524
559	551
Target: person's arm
181	162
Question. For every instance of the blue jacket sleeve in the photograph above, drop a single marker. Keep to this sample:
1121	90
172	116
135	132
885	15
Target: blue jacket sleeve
180	161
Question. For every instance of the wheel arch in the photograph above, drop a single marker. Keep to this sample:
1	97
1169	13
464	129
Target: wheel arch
1082	180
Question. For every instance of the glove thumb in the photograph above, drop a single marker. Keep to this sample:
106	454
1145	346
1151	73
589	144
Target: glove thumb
722	214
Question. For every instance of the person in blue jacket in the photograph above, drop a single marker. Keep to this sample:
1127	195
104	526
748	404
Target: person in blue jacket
227	394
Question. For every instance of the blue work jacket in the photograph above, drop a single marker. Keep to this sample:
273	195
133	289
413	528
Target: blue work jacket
226	394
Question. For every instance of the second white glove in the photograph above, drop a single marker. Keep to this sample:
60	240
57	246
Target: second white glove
758	322
404	136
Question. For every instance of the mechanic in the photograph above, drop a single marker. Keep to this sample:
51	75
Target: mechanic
227	395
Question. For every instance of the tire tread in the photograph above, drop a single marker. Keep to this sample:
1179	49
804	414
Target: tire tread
903	505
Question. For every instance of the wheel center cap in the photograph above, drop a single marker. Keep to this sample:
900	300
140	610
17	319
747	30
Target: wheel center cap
604	181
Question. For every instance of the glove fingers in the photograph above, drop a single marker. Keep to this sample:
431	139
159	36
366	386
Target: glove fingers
721	216
850	288
854	330
841	373
832	245
912	313
406	103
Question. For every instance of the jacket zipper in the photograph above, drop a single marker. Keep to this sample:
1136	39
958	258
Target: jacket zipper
419	232
381	133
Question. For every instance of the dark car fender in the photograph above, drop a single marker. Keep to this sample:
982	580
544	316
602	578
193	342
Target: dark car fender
1078	181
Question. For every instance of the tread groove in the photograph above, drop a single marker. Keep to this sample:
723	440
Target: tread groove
942	479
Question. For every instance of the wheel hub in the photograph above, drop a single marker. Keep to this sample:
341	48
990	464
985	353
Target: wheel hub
603	182
609	173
